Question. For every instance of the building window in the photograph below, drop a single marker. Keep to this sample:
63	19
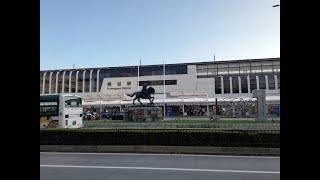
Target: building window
129	83
235	85
278	77
119	83
271	82
158	82
109	83
253	83
226	85
218	85
262	82
244	84
87	81
80	81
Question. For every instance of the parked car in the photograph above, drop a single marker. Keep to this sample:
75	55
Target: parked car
117	115
95	115
89	116
86	116
105	115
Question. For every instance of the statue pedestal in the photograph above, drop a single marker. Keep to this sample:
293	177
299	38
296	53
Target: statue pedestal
143	113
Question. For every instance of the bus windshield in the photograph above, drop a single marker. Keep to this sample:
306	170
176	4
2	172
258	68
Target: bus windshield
72	101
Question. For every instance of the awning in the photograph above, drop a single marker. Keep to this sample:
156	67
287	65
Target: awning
174	101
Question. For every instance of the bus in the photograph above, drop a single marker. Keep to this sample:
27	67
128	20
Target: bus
60	111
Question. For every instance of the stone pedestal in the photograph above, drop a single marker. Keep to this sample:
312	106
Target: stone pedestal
143	113
262	105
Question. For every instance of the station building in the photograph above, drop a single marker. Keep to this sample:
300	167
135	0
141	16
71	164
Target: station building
178	87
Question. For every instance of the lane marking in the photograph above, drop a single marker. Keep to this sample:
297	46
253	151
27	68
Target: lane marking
166	169
151	154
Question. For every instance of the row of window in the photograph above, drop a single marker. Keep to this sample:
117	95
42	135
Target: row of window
158	82
149	83
244	84
210	70
49	110
224	84
96	76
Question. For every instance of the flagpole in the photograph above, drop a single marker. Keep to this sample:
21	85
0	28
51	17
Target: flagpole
138	75
164	89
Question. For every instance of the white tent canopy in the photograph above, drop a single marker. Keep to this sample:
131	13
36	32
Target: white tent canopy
172	101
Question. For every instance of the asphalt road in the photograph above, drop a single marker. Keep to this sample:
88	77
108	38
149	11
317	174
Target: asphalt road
120	166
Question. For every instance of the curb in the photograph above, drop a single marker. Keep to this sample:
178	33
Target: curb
163	149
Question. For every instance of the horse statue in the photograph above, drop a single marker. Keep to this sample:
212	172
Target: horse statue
144	95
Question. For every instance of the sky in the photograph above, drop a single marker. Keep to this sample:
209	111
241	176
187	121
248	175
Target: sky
110	33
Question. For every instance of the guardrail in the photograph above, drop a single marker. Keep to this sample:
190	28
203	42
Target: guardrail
221	126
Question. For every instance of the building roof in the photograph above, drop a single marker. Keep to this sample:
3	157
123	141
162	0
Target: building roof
155	65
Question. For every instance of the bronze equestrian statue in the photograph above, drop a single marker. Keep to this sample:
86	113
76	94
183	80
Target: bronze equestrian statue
144	94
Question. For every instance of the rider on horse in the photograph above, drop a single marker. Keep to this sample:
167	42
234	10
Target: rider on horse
144	88
145	93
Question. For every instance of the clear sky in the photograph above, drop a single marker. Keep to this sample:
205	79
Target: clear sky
102	33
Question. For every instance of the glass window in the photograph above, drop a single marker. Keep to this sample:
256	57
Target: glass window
103	74
271	82
223	69
226	85
217	82
212	72
262	82
71	101
244	84
245	68
278	78
94	81
256	68
87	81
235	85
158	70
119	83
267	66
234	69
267	69
253	83
53	82
49	105
80	81
202	71
158	82
41	81
109	83
73	81
129	83
276	68
60	81
46	83
171	82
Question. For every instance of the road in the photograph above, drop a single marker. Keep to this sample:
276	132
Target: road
121	166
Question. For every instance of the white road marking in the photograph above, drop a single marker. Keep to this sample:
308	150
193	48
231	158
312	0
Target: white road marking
151	154
166	169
